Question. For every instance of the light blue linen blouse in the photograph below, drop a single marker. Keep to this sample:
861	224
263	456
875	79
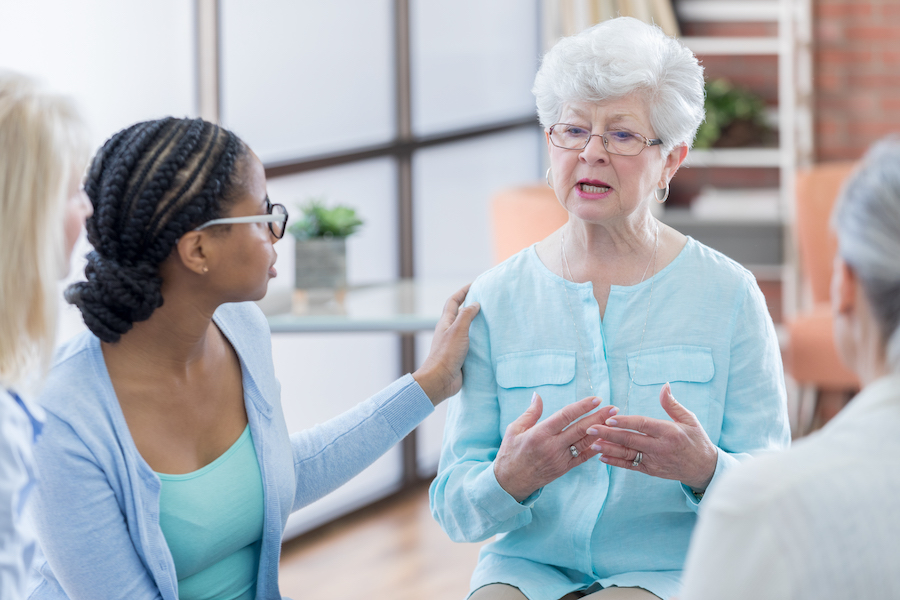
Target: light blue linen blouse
97	505
708	333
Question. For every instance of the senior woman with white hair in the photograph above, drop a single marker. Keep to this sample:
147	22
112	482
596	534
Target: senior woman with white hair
625	311
821	521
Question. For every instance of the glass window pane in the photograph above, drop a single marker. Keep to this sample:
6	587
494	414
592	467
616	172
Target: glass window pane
371	188
118	72
452	189
308	78
321	376
472	62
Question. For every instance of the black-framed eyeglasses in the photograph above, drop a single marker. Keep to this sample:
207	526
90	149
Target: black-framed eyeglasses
276	216
624	143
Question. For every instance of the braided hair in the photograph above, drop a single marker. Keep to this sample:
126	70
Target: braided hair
150	184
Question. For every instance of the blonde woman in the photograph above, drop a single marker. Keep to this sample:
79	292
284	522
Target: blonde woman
43	152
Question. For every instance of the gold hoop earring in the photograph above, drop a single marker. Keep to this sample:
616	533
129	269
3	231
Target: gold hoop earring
662	197
549	176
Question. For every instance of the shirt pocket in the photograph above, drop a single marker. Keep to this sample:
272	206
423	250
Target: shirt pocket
688	369
550	373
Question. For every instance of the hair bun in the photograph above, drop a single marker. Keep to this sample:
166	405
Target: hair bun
115	296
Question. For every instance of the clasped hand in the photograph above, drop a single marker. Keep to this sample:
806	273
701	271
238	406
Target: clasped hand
532	455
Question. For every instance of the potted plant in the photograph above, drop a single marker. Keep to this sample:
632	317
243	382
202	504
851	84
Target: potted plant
321	248
735	117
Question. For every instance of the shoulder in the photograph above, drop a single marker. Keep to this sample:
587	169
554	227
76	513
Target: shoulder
76	373
711	281
515	275
775	479
245	325
707	262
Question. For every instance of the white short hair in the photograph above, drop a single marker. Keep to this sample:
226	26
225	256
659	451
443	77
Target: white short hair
867	222
620	57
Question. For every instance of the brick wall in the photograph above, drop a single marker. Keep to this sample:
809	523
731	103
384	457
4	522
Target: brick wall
856	75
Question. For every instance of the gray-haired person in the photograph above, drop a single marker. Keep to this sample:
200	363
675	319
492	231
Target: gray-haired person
669	341
821	521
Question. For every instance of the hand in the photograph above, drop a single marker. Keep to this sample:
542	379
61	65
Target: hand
531	456
677	449
440	376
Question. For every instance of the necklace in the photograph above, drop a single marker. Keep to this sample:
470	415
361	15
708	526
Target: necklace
565	262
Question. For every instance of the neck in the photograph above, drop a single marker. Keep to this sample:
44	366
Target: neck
175	336
872	364
633	235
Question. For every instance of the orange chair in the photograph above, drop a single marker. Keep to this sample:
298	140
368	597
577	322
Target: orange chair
812	359
523	216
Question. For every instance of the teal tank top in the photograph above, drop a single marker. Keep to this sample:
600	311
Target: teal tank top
212	520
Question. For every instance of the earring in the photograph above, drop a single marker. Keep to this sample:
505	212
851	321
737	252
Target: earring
662	197
550	177
205	269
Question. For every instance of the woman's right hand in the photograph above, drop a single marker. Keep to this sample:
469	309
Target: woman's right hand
532	455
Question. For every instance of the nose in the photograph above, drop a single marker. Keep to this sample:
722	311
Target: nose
595	151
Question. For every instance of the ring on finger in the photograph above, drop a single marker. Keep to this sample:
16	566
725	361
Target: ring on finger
573	451
637	459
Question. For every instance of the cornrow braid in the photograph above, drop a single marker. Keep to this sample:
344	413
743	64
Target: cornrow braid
149	184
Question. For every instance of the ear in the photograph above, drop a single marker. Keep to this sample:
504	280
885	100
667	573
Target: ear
844	287
192	252
673	161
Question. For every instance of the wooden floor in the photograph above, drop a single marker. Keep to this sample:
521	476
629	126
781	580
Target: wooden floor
393	551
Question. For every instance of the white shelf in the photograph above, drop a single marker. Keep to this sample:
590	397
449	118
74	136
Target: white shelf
725	11
734	157
733	46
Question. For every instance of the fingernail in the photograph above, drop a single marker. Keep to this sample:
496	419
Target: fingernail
533	397
612	422
596	448
604	459
591	431
613	411
595	401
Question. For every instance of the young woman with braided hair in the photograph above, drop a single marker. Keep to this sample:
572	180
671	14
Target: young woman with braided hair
169	472
43	151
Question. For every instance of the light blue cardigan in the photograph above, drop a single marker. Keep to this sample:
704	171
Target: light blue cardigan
98	500
708	334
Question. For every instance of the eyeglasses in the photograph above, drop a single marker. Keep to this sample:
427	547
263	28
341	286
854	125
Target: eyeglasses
276	216
624	143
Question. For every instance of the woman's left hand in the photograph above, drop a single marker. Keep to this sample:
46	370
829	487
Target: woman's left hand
440	375
677	449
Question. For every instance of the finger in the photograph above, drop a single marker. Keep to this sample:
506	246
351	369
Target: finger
586	427
646	425
623	463
529	418
466	316
674	409
451	306
629	439
608	448
564	416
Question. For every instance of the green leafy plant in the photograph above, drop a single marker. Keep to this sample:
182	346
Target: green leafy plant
734	117
317	221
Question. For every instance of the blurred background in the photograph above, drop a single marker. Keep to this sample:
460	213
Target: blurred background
419	115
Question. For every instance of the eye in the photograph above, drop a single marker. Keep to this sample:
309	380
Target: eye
620	136
575	131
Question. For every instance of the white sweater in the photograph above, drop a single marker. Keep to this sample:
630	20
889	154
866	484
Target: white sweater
819	521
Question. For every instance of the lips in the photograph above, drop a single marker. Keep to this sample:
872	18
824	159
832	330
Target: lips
593	186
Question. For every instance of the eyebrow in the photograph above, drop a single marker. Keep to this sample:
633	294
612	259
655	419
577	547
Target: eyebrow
615	118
